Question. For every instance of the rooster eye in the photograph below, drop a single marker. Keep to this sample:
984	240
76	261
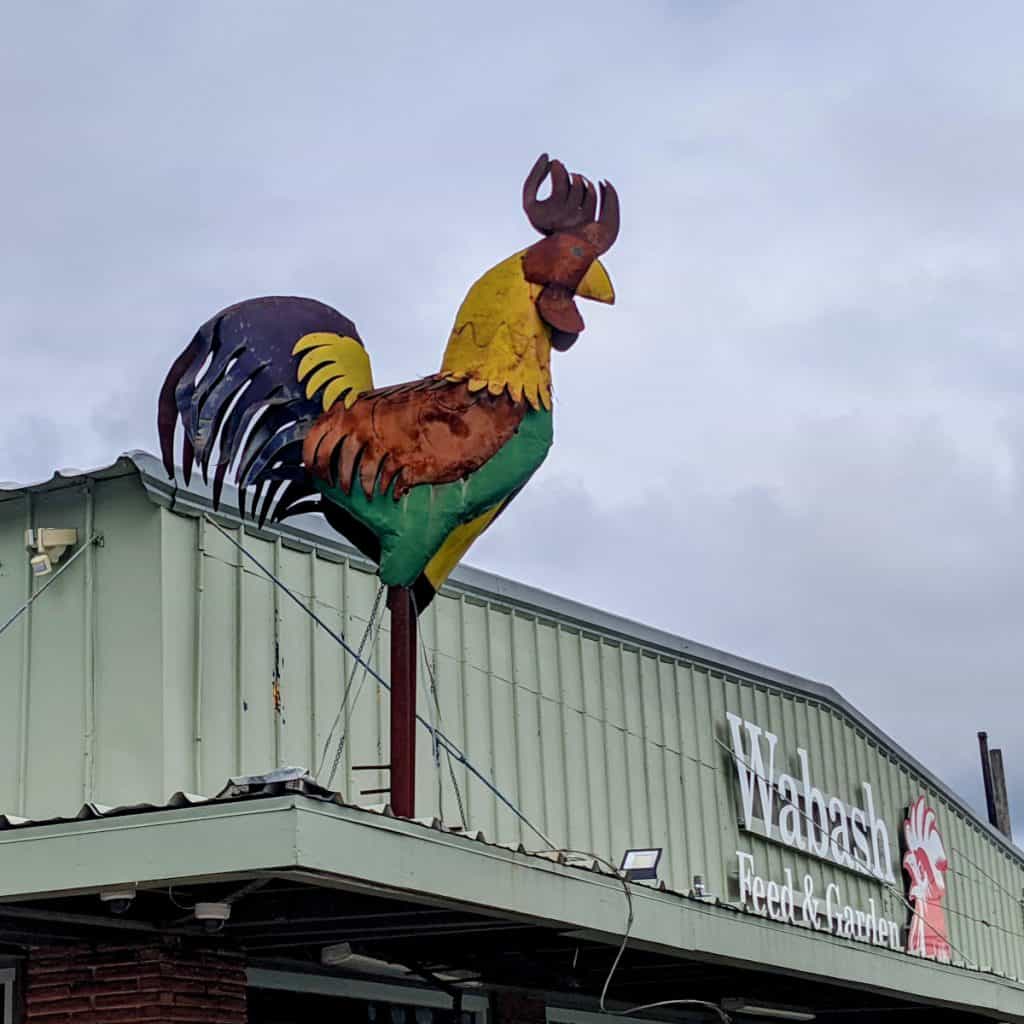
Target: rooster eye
577	251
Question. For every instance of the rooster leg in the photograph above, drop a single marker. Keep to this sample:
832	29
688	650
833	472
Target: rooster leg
403	701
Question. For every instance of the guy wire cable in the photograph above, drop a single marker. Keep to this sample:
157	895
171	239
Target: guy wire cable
53	579
446	741
448	753
355	699
453	750
437	723
348	686
373	624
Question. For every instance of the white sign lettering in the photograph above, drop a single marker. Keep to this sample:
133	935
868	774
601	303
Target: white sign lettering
782	901
806	818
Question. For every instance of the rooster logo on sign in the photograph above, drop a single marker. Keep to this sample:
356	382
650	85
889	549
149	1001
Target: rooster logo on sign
926	863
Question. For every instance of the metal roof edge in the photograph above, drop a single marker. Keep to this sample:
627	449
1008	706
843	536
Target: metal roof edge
229	838
312	531
123	465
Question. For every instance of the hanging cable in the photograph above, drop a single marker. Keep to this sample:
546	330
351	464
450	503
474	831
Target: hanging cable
451	767
492	674
356	665
620	875
437	723
445	741
53	579
454	752
379	619
960	853
435	747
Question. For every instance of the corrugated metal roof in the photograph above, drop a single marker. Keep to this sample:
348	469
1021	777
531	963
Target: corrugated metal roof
282	781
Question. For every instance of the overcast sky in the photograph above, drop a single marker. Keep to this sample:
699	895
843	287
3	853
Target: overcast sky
798	436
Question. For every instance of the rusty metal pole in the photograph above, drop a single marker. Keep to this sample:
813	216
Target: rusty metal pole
403	702
986	775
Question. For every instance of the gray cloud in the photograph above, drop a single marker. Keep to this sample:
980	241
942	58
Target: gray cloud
797	436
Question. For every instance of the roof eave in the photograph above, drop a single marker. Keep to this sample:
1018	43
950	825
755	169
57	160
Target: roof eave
348	848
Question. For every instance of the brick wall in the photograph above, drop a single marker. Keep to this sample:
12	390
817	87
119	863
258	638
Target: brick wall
514	1008
129	984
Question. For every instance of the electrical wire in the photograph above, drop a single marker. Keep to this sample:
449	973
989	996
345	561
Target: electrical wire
439	739
437	722
490	673
53	579
176	902
435	748
430	692
449	744
357	663
960	853
623	880
453	751
373	625
355	702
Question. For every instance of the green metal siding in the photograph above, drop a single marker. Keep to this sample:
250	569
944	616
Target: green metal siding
81	669
151	667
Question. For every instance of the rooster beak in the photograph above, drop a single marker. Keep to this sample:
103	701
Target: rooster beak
596	284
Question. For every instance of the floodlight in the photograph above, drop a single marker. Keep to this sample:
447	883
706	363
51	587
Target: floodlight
46	546
638	865
737	1005
341	955
41	565
332	956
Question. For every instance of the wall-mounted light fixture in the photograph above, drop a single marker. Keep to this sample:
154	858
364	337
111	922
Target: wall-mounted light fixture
768	1010
638	865
46	546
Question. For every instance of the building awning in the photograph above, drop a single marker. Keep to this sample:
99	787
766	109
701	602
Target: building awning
306	871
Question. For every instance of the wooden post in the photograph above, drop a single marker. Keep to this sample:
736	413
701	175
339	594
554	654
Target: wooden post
1000	799
403	702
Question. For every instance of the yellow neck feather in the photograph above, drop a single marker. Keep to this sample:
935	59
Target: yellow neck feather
499	341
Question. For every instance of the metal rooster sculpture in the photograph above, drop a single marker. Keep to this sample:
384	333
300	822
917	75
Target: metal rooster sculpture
412	474
280	388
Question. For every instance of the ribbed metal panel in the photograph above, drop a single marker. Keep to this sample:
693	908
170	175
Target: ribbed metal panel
170	662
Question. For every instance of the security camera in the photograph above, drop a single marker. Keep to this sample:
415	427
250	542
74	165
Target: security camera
213	915
118	900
